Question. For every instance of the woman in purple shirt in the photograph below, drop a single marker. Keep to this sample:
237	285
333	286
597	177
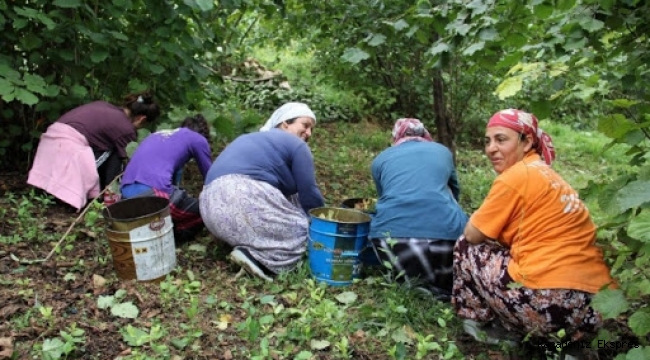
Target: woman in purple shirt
259	191
155	163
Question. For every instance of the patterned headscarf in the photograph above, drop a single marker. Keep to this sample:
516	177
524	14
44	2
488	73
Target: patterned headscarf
288	111
408	129
526	123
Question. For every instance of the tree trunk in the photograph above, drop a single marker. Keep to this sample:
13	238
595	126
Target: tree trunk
443	124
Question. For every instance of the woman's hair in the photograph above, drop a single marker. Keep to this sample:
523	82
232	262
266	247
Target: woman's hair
142	104
197	123
289	122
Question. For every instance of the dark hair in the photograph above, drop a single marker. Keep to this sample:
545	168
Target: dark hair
197	123
142	104
289	122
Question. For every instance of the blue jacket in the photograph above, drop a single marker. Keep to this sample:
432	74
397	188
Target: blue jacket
418	193
277	157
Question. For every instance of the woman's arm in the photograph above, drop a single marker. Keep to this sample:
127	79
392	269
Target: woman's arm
473	235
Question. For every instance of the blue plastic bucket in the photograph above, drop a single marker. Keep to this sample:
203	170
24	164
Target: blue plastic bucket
336	237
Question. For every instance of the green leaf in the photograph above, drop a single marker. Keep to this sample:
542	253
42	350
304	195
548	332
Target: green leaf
134	336
575	44
590	24
6	87
640	353
439	48
488	34
639	227
119	36
67	3
474	48
125	310
509	87
614	126
347	297
180	344
354	55
98	56
640	322
79	91
610	303
52	348
130	148
400	24
634	194
565	5
376	40
623	103
25	96
104	302
400	336
543	11
304	355
205	5
35	83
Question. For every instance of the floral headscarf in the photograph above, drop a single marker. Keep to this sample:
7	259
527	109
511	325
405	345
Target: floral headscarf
408	129
526	123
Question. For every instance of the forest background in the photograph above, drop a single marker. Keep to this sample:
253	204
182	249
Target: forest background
579	65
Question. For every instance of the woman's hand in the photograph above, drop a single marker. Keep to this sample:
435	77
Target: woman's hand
473	235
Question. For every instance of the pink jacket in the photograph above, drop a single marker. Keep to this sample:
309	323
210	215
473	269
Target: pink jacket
64	166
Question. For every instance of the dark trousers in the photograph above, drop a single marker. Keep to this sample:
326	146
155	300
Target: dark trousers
108	170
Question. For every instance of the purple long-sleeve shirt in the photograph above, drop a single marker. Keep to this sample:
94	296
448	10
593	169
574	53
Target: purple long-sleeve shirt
276	157
163	153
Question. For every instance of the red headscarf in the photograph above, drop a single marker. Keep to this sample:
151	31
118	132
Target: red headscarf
526	123
409	129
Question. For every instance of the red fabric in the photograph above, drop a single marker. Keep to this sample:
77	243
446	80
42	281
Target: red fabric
408	129
526	123
182	219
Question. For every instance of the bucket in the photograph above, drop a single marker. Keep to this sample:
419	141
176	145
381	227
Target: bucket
140	234
367	256
336	236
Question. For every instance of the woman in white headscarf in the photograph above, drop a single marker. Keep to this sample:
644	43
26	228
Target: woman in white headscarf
259	190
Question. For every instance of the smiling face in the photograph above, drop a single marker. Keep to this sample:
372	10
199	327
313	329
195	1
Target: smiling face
505	147
301	127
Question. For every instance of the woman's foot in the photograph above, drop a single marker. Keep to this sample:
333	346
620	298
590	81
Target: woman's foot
244	259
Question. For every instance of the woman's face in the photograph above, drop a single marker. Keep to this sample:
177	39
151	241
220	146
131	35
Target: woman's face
301	127
504	147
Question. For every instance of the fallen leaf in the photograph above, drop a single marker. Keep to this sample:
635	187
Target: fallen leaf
7	311
227	355
319	344
224	320
98	281
6	347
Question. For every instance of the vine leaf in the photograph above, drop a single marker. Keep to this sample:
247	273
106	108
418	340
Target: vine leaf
640	322
610	303
354	55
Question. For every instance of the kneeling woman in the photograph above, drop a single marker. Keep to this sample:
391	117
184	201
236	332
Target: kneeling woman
156	162
527	261
259	191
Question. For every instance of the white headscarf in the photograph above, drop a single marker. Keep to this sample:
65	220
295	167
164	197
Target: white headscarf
288	111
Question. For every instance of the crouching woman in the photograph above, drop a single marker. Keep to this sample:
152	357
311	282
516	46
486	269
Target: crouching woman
527	262
259	191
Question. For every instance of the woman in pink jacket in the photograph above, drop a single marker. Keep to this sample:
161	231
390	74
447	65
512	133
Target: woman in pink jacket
83	151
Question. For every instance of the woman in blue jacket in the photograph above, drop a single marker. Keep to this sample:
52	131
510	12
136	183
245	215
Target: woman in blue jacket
259	190
418	217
